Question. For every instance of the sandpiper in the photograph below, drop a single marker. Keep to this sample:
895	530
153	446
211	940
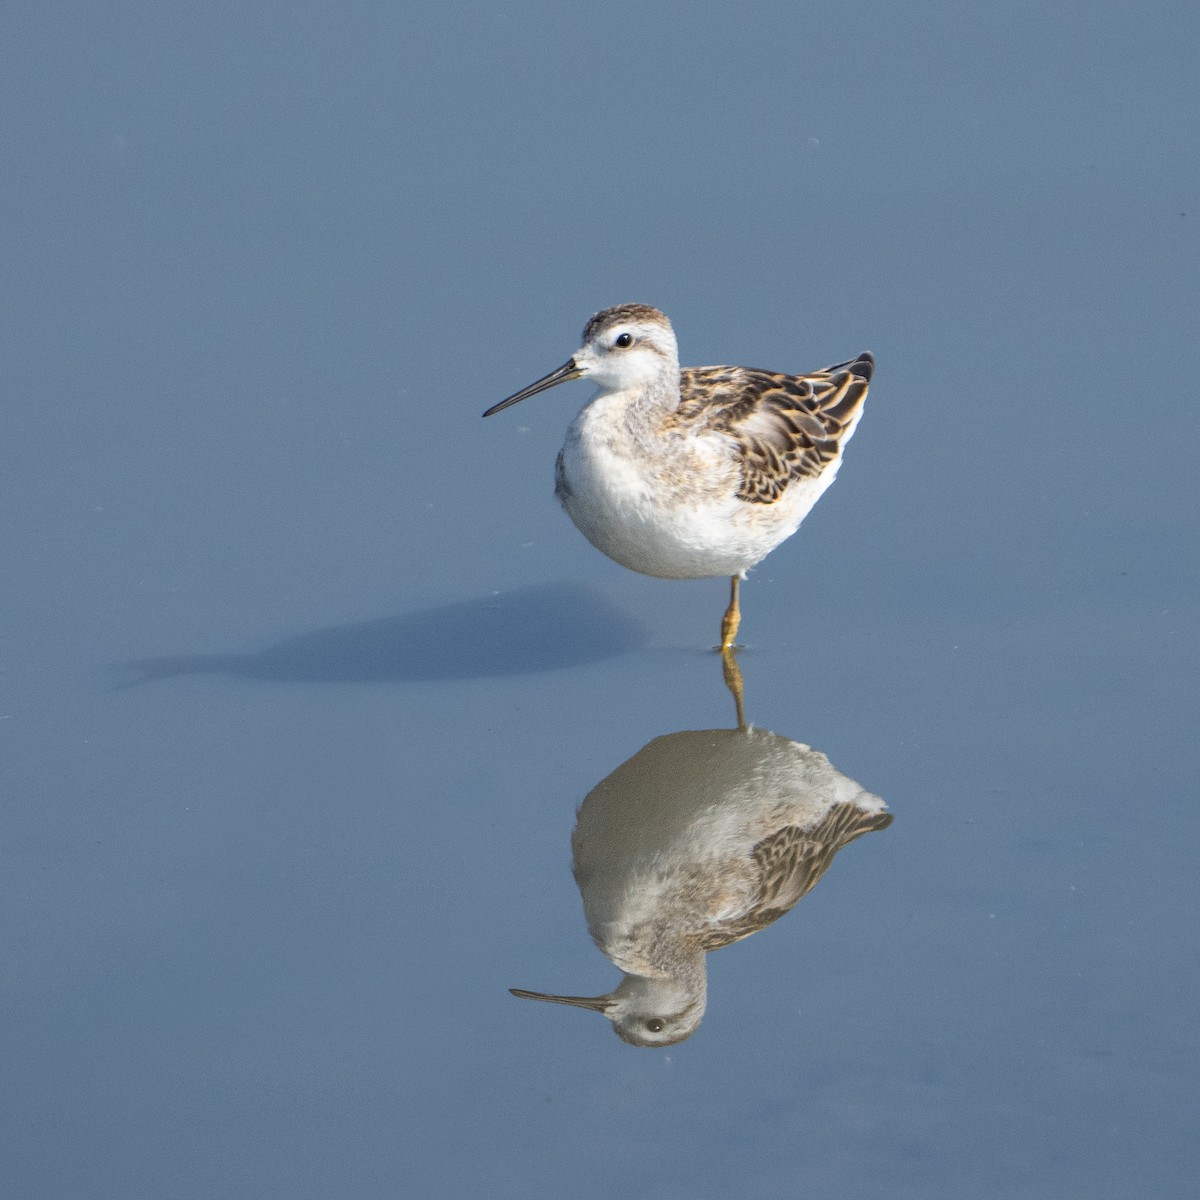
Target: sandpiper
700	472
699	840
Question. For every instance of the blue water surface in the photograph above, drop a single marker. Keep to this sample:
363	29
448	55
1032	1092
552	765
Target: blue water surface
303	674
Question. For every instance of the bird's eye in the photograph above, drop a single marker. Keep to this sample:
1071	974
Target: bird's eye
624	340
656	1025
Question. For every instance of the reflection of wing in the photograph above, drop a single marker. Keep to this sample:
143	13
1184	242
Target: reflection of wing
785	427
790	862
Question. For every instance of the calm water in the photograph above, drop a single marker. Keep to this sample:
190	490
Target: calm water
303	675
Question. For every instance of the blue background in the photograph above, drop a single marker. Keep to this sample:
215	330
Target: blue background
302	672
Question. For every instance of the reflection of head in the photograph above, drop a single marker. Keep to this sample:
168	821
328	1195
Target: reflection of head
654	1012
702	838
644	1012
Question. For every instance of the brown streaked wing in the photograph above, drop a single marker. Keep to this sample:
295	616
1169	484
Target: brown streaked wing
788	427
790	862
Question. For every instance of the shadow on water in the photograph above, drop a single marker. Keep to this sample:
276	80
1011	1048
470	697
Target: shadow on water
542	628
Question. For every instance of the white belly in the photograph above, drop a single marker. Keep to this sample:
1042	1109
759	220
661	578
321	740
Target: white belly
675	520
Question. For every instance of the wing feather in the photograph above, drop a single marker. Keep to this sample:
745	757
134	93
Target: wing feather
786	427
790	863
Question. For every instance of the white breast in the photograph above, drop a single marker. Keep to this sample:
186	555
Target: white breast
667	506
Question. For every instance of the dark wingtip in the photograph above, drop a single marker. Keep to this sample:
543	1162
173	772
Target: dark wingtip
864	365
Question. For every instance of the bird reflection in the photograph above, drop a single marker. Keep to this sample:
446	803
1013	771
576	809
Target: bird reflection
702	838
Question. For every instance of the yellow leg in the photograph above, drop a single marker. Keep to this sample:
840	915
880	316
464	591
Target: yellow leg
733	681
733	616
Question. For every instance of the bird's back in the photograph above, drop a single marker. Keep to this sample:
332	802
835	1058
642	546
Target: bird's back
785	428
790	862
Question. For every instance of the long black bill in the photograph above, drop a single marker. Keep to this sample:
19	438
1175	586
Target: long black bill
567	371
595	1003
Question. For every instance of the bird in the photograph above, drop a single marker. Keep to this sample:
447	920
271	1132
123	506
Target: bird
697	472
702	838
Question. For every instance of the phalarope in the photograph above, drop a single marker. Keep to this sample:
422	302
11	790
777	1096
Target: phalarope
687	474
699	840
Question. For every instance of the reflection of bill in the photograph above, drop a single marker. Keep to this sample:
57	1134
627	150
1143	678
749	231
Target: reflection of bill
700	839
